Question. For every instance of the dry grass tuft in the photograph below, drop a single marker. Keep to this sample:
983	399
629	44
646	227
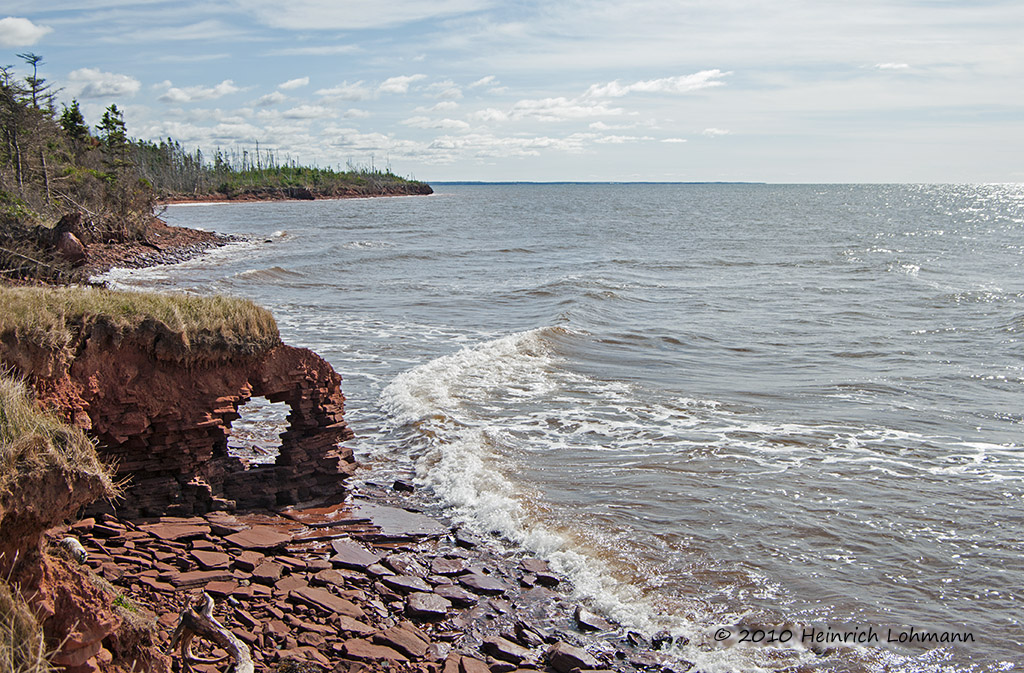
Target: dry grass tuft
22	645
32	440
193	326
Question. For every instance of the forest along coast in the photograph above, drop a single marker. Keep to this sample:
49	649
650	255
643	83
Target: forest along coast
73	201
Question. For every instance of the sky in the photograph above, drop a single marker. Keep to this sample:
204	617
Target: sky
621	90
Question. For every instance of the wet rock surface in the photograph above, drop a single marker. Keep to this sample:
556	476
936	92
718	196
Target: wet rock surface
327	588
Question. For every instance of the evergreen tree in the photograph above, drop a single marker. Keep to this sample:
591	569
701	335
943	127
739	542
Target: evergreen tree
114	136
73	123
38	89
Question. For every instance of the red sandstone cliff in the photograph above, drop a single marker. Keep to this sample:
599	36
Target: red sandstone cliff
161	415
164	420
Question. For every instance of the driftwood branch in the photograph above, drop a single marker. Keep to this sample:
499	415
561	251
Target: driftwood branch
192	623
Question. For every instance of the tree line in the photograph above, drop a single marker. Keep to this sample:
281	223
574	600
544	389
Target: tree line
52	163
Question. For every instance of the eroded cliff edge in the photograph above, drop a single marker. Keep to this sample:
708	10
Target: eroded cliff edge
159	383
149	385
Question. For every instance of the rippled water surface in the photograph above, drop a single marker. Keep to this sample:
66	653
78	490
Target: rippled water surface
720	406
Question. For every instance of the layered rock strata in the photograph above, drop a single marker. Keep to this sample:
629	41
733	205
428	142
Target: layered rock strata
164	421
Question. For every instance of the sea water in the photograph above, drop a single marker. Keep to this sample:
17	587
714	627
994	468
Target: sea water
785	423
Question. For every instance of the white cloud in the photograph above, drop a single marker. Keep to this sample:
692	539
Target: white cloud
308	112
346	91
191	58
334	15
427	123
601	126
94	83
442	106
713	132
560	109
209	31
447	90
296	83
679	84
399	84
674	140
271	99
490	115
483	81
356	113
324	50
191	94
619	140
892	66
19	32
485	145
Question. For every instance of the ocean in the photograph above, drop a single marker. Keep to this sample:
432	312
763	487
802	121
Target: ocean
783	422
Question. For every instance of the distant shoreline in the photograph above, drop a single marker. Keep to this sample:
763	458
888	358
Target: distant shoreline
588	182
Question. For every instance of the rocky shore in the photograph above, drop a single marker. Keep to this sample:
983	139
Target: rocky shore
164	244
360	581
360	585
303	193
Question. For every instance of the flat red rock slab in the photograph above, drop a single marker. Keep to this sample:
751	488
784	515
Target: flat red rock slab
290	583
423	605
471	665
406	639
327	601
349	625
395	522
325	517
588	621
405	583
535	565
505	650
157	585
259	537
176	531
332	577
350	555
211	560
364	650
198	578
221	588
457	595
268	572
447	566
405	564
249	560
483	584
564	657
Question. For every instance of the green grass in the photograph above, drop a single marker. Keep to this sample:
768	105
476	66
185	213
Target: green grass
189	326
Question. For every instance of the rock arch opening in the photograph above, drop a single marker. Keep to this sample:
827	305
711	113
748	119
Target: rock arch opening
255	436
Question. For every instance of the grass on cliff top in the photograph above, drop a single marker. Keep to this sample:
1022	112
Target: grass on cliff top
55	318
32	440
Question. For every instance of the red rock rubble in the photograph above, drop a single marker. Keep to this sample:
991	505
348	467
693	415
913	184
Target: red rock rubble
312	587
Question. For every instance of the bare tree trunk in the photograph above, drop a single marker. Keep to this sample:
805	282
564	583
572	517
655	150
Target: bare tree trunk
46	177
17	167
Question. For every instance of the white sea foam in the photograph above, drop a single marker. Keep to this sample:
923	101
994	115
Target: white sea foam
470	419
463	446
464	458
